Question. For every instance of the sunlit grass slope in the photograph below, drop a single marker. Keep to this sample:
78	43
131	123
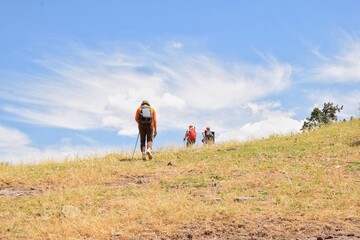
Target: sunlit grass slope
282	187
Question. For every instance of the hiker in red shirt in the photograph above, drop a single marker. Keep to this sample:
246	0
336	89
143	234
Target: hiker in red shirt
190	135
146	118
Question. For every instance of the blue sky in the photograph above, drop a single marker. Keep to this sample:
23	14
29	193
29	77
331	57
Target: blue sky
72	73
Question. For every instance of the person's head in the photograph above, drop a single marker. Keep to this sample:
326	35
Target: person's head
208	128
145	102
191	126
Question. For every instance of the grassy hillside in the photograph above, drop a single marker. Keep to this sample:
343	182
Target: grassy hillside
284	187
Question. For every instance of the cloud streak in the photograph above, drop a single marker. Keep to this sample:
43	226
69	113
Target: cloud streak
93	89
343	67
15	148
264	128
12	138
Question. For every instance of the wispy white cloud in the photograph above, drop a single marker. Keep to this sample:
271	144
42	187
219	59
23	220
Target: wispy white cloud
15	148
342	67
90	89
176	45
316	51
262	119
263	128
12	138
14	145
30	155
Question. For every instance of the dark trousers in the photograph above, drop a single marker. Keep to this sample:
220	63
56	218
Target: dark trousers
190	142
146	131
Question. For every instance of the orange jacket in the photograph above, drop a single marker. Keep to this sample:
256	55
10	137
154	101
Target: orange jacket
153	113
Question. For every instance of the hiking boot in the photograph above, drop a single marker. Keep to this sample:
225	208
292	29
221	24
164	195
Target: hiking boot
148	152
143	156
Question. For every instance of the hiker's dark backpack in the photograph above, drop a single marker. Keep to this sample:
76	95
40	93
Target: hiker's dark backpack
210	137
145	114
192	134
209	134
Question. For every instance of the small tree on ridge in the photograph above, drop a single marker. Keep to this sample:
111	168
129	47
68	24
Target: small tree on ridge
319	117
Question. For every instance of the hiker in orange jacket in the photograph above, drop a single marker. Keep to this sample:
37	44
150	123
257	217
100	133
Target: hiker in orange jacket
190	135
146	118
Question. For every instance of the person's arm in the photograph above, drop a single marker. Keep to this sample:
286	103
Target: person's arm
155	121
186	135
137	115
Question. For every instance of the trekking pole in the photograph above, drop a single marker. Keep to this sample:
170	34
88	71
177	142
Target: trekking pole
137	139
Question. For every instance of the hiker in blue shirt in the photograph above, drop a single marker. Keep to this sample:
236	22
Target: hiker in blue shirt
208	136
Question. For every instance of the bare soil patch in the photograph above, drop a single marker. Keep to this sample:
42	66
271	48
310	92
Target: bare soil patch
269	228
12	192
126	180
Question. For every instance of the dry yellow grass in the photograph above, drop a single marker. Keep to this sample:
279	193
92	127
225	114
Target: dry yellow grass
284	187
